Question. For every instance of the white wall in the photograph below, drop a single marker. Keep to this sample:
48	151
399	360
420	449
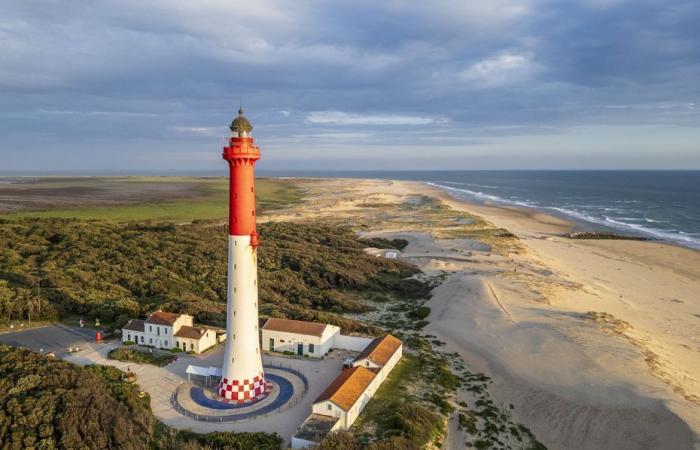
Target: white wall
347	418
135	336
354	343
328	408
291	341
389	366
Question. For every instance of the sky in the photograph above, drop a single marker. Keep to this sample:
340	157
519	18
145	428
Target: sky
151	85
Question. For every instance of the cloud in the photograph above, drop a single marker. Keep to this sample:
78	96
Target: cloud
500	70
126	74
344	118
200	131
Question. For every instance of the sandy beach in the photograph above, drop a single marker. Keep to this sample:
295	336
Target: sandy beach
594	342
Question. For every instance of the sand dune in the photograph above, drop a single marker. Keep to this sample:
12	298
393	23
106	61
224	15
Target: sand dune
599	351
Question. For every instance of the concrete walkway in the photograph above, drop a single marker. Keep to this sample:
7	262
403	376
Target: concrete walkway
161	382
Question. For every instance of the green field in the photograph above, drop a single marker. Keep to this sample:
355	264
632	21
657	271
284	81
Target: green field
208	200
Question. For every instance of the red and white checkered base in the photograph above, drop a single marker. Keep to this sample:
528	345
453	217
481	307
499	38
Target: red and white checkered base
243	390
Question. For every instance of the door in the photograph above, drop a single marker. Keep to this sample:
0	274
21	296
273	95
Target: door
300	349
272	344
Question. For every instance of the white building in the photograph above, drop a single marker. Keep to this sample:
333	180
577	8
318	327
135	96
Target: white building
169	330
298	337
347	396
381	355
341	403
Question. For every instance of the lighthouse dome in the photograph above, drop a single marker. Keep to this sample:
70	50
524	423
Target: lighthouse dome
241	125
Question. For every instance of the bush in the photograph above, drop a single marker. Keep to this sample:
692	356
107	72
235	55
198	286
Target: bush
50	403
419	313
127	354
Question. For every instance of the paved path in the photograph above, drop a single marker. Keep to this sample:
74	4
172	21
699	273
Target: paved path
51	338
161	382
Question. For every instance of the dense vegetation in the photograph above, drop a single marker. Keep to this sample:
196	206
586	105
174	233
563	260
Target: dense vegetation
51	268
50	403
129	354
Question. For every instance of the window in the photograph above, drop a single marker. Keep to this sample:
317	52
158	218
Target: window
150	340
142	339
367	363
311	348
329	407
192	346
165	330
150	329
128	337
166	343
158	331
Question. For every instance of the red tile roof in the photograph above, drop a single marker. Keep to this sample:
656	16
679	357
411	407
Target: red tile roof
162	318
380	350
295	326
190	332
347	388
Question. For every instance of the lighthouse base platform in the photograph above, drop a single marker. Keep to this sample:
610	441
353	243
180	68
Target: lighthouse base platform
284	388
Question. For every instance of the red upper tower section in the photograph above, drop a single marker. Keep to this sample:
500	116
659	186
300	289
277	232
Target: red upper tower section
241	154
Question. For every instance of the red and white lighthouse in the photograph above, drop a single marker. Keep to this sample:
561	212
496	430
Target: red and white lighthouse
242	376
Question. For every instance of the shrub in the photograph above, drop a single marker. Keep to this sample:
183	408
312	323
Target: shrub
419	313
127	354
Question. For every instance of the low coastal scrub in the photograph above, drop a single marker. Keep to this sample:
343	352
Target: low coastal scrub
51	403
437	382
54	268
142	357
398	244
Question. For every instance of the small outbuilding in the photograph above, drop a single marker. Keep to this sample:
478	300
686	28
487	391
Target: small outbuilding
381	355
298	337
195	339
347	396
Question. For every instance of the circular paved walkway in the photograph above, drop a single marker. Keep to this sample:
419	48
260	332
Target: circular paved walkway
285	387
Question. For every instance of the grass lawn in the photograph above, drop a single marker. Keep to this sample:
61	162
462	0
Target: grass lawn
141	357
211	203
393	391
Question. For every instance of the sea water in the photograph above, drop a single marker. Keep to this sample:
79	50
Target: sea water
662	205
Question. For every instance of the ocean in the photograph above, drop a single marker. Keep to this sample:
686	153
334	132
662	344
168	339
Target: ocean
661	205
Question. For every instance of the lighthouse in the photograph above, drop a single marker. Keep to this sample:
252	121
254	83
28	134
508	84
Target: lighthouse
242	377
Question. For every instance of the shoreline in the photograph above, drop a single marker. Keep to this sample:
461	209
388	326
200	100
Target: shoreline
594	342
577	224
651	382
